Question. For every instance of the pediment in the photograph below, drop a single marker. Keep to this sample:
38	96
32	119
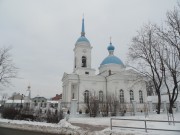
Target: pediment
64	75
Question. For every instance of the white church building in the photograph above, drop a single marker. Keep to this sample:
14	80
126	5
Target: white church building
113	79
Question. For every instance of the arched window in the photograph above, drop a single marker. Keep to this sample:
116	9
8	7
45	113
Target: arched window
121	96
140	96
86	96
100	96
84	61
131	95
73	96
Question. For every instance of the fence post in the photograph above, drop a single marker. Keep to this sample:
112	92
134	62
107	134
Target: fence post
145	126
111	123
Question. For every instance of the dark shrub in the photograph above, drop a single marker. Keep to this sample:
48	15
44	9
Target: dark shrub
1	108
87	111
28	117
54	118
104	114
80	111
10	113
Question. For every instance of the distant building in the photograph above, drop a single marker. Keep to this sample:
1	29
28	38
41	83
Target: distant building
16	96
17	100
57	97
20	100
39	100
164	100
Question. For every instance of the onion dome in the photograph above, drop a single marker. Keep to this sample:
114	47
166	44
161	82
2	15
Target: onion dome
111	59
110	47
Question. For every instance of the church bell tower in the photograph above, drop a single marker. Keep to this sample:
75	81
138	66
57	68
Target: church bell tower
82	54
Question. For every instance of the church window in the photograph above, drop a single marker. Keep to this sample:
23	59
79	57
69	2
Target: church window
84	61
121	96
86	96
140	96
109	72
100	96
131	95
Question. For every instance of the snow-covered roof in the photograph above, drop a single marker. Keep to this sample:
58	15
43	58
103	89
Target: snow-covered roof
52	101
14	101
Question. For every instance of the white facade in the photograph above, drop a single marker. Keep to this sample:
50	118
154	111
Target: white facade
27	97
113	77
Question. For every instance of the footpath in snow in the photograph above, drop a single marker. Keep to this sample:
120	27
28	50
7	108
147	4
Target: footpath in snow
97	126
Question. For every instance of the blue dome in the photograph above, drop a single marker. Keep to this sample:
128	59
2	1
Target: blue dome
112	60
110	47
82	39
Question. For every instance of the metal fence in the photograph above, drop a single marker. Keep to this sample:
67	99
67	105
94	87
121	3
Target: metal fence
145	124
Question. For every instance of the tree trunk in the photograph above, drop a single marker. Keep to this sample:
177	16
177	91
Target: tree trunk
159	103
171	107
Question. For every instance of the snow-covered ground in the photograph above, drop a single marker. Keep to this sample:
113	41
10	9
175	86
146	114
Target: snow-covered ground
67	127
105	121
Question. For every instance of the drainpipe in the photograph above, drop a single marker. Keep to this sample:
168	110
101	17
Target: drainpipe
78	90
106	86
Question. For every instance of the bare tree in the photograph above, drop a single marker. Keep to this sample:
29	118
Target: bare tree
172	78
147	60
171	68
4	97
113	104
171	55
145	110
104	109
171	32
92	105
150	88
7	67
122	108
